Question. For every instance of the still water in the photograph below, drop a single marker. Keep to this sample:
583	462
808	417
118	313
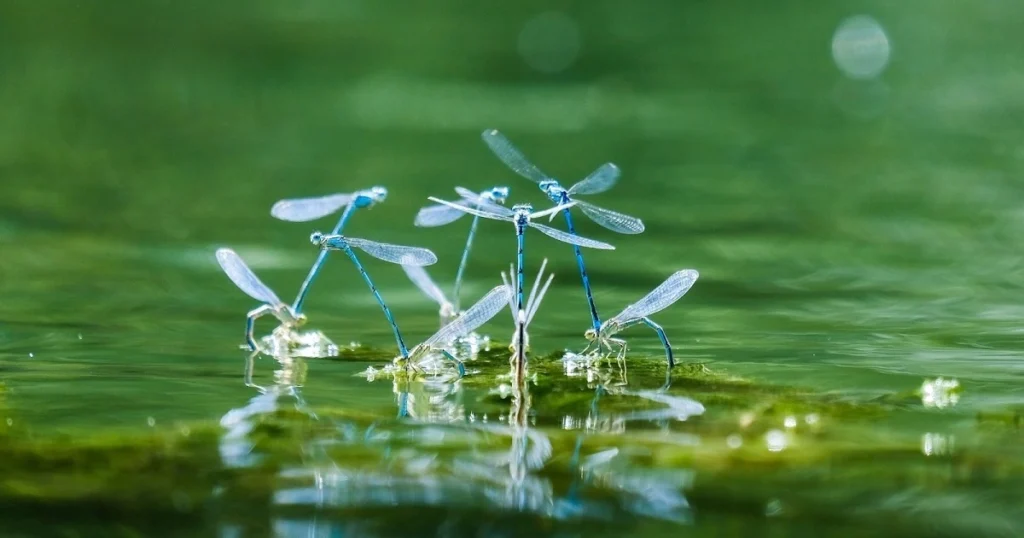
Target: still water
851	199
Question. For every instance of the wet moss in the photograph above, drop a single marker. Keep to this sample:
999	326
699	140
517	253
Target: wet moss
1008	419
754	444
161	472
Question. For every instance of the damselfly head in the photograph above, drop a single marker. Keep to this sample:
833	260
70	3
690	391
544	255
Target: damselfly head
590	334
499	194
522	211
549	185
301	320
378	194
317	238
448	311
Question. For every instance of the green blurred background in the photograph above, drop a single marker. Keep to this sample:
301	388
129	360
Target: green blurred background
851	200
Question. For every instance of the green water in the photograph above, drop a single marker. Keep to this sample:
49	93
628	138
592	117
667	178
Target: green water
854	239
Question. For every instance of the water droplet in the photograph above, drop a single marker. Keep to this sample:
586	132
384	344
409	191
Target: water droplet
940	392
936	444
776	440
812	419
734	441
790	422
30	355
151	421
860	47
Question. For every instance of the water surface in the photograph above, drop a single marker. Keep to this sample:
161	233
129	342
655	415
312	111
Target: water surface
855	238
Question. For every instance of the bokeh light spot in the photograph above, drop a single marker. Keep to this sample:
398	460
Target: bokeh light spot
860	47
549	42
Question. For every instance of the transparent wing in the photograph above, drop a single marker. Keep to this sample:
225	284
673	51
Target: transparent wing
419	276
466	194
570	238
492	211
475	200
540	449
535	305
552	211
478	314
394	253
437	215
305	209
511	292
244	278
616	222
487	205
679	407
668	292
598	181
511	156
536	285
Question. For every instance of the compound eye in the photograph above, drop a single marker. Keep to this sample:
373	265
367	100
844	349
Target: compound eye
590	334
